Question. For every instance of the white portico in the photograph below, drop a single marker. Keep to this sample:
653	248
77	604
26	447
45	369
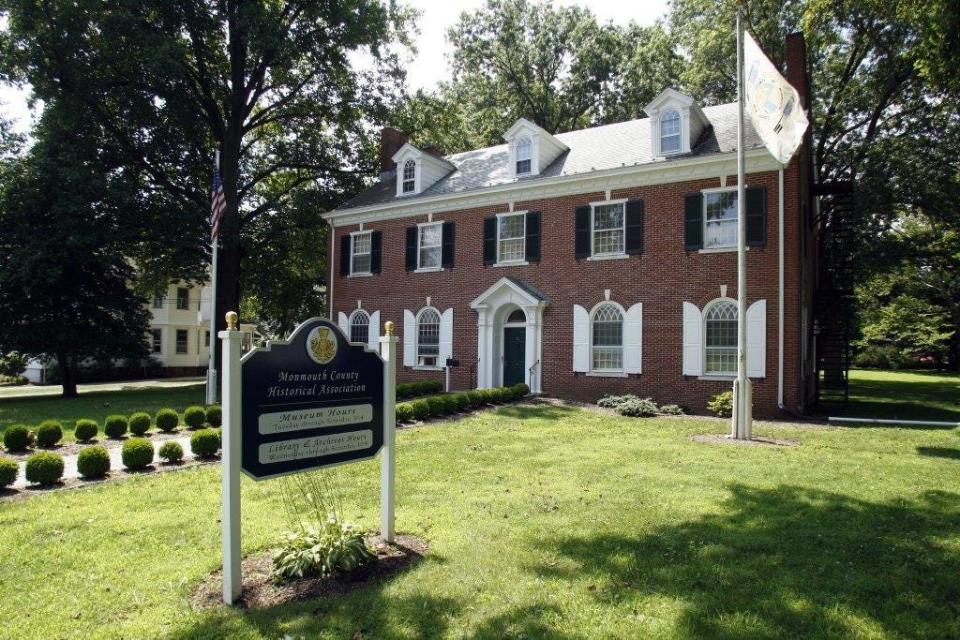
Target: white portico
510	334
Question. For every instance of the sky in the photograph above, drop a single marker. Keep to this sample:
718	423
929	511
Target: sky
430	65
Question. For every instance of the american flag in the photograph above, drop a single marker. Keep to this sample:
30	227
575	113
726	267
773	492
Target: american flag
217	206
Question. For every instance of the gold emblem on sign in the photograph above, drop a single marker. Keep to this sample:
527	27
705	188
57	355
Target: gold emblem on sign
321	345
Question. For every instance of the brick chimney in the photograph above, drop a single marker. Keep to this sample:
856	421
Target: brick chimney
390	142
796	59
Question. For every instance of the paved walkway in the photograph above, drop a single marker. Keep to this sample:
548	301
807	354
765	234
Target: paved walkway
116	463
35	391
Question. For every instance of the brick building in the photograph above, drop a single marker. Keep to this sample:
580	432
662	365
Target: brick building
589	262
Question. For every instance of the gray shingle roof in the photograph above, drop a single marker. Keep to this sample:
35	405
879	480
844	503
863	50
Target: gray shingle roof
595	149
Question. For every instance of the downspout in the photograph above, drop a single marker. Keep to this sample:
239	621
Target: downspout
780	289
331	262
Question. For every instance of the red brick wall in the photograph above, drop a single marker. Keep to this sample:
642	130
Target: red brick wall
662	278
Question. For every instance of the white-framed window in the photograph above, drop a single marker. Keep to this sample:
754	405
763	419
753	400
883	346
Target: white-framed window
608	228
183	339
511	237
360	326
670	141
524	156
428	337
606	343
183	298
409	184
720	218
720	338
158	302
156	340
360	246
430	246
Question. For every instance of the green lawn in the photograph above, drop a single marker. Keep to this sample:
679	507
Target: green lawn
544	522
905	395
97	406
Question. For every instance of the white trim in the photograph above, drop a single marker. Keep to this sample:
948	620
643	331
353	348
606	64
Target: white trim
623	230
416	338
514	261
608	256
724	249
703	337
420	227
703	218
511	263
623	325
603	373
353	254
354	314
599	203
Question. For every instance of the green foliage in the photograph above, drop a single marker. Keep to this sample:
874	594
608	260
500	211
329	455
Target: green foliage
93	462
449	403
638	408
85	430
331	548
421	409
137	454
44	468
115	426
520	390
404	412
139	423
8	471
17	438
194	417
214	415
881	356
49	433
167	420
13	364
418	388
721	404
171	451
614	401
462	401
476	397
437	405
671	410
205	443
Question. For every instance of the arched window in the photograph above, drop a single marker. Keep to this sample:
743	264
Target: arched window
517	316
524	155
360	327
409	176
428	337
720	340
670	131
607	343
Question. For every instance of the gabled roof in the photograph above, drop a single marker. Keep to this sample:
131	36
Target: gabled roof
611	146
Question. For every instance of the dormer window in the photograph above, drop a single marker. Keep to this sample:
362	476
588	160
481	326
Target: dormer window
670	137
409	176
524	155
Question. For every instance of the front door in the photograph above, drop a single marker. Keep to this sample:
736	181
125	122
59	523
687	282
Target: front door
514	355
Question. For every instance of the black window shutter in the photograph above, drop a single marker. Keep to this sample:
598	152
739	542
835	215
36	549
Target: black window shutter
345	255
693	221
446	252
634	239
582	246
533	236
489	241
411	248
376	248
756	216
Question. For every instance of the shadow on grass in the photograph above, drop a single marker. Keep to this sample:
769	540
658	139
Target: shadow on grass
939	452
904	395
544	410
788	562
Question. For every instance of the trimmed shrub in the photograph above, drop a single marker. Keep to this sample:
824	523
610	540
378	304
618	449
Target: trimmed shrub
438	406
205	443
672	410
17	438
93	462
721	404
475	396
638	408
171	451
44	468
137	454
49	433
489	396
520	390
430	386
194	417
404	412
8	471
420	408
214	415
613	401
115	426
462	401
139	423
449	403
167	420
85	430
502	395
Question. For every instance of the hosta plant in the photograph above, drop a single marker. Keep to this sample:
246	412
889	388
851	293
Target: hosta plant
330	548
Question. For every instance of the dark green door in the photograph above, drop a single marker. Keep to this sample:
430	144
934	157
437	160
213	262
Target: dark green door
514	354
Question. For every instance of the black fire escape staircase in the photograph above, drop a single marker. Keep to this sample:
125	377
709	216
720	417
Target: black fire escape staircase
834	301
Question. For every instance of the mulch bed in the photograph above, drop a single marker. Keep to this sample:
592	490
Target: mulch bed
73	447
757	441
259	591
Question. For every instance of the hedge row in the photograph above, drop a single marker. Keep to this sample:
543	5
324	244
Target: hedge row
443	405
422	388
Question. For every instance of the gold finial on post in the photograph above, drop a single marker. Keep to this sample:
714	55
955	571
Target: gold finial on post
231	320
388	327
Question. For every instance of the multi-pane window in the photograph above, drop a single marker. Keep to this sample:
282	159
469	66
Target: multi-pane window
670	132
431	243
511	237
608	230
720	219
524	155
720	323
182	339
156	340
360	327
360	252
183	298
409	176
428	338
607	343
158	302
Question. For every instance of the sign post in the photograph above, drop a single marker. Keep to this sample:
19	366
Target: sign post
230	448
388	464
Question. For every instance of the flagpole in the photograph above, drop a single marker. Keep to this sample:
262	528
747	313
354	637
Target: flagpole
742	418
211	362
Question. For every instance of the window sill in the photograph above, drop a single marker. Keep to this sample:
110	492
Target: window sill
606	374
428	269
423	367
510	263
732	249
360	275
611	256
718	377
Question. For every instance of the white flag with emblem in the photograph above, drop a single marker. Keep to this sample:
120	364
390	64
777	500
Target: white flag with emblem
772	103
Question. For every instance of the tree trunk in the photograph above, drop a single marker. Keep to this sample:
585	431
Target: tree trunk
68	374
